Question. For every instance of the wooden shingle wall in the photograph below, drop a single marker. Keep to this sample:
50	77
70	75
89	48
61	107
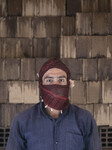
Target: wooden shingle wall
79	32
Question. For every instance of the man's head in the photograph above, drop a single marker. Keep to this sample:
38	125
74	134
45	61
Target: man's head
54	81
55	69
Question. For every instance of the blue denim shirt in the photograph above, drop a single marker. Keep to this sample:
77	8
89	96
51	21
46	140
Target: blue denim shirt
33	129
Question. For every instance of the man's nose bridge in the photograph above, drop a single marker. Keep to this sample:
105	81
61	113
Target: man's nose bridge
55	80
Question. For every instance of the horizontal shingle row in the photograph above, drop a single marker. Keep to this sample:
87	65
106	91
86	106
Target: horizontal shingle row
19	92
81	69
52	7
63	47
48	26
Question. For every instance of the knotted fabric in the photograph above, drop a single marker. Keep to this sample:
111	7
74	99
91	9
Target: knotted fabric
55	96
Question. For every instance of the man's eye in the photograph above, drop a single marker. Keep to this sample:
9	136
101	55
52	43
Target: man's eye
61	80
49	80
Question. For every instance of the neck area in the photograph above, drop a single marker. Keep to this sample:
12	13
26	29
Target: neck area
53	112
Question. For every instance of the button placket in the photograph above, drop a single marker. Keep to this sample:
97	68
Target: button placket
56	140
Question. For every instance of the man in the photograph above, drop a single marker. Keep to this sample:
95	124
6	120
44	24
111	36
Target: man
54	124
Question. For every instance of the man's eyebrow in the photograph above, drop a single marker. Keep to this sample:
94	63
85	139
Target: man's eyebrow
47	77
61	77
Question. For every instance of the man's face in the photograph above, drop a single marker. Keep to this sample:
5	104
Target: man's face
54	76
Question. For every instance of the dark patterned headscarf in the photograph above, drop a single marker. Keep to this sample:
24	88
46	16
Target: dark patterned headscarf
54	96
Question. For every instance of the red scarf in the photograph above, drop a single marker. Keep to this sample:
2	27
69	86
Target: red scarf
55	96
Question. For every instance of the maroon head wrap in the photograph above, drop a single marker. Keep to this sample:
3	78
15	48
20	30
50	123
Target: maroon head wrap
53	63
55	96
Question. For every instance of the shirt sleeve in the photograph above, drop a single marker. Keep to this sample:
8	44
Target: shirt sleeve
16	140
91	138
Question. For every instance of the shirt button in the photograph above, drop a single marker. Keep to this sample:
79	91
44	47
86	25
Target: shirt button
56	143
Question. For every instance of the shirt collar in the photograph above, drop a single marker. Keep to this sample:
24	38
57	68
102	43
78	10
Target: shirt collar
65	112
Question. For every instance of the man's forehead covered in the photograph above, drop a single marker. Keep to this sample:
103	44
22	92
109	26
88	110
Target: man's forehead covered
53	63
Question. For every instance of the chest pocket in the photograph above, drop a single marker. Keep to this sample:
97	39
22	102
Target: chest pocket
74	141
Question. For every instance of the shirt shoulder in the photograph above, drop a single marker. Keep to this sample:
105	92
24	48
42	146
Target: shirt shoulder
28	112
26	116
80	112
